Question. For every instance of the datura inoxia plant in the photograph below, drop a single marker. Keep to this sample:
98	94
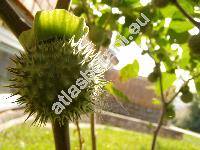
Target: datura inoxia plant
51	63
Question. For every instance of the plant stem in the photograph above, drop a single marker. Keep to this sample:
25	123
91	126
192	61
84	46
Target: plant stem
79	135
156	132
63	4
61	136
61	132
176	3
164	106
10	17
93	135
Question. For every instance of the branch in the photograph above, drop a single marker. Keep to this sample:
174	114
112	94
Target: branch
79	135
161	87
176	3
156	132
14	22
63	4
92	128
176	94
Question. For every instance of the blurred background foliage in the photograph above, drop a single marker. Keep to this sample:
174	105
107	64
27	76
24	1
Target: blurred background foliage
166	36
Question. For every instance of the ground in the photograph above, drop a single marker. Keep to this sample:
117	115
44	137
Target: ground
29	137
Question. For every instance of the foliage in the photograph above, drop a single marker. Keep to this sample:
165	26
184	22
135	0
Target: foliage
110	87
165	36
129	71
157	32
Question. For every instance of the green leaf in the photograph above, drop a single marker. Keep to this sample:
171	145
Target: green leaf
167	81
185	58
27	42
197	84
168	11
129	71
187	5
94	1
180	26
58	23
179	38
115	92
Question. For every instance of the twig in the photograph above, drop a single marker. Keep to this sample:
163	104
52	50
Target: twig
176	94
176	3
164	106
156	132
79	135
93	135
161	86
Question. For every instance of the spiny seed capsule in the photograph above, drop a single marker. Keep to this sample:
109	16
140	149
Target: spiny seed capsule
52	63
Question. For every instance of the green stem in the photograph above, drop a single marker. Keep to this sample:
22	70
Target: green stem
61	136
164	107
79	135
61	132
156	132
93	135
176	3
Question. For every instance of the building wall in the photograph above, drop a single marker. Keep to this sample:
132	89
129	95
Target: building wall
140	97
132	110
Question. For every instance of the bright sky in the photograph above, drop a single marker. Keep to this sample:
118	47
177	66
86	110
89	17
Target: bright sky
131	52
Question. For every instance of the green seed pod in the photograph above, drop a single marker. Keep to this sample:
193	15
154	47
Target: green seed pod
187	97
50	69
185	89
153	77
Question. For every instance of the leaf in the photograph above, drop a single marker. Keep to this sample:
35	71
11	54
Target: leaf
129	71
180	26
197	85
27	42
179	38
187	5
168	11
167	81
58	23
185	58
94	1
115	92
